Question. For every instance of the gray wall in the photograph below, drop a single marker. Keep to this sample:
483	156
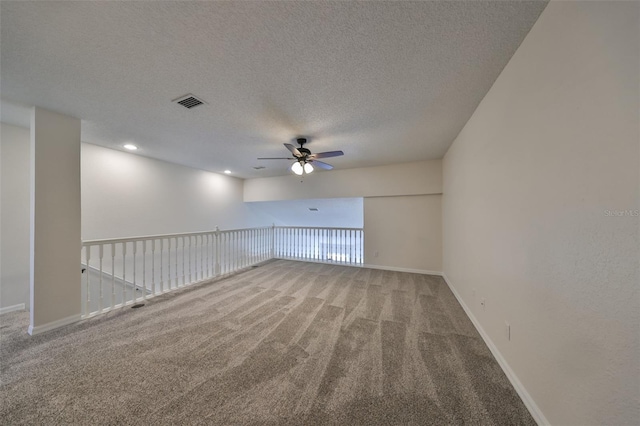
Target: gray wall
14	278
332	213
531	187
402	214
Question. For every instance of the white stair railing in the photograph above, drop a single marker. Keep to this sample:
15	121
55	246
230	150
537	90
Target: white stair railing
327	245
126	271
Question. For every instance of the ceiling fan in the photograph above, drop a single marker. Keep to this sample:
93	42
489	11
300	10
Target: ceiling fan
304	159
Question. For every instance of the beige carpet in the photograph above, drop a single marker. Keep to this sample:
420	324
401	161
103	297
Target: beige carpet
285	343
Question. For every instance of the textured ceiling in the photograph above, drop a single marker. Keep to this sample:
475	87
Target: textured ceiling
385	82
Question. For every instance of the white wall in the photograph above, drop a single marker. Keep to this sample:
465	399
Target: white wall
126	195
14	191
417	178
332	213
123	195
404	232
528	184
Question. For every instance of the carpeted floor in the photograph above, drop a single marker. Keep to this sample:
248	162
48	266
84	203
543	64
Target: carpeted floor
286	343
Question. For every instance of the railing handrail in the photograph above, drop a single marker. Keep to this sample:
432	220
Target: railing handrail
318	227
160	236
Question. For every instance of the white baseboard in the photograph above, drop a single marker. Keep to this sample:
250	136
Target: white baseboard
528	401
53	325
7	309
394	268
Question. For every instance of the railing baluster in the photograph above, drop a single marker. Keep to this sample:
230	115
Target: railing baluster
113	275
225	252
101	254
161	271
195	257
169	277
352	246
175	264
124	274
200	249
153	267
189	256
184	255
286	243
252	239
135	247
206	236
246	248
236	250
216	241
87	309
202	258
144	270
240	250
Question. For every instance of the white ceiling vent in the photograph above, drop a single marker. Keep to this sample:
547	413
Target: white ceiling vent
189	101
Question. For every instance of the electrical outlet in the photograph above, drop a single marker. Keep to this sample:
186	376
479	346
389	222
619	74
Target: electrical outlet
483	304
507	330
375	254
473	292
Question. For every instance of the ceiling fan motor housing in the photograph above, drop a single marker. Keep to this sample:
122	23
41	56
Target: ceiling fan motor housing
304	151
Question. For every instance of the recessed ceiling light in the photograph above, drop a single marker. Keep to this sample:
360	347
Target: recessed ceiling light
130	147
227	172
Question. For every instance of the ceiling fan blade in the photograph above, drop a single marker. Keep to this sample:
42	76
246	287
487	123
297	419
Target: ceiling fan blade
322	165
293	150
276	158
327	154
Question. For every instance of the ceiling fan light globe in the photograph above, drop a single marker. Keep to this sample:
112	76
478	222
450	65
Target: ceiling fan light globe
308	168
297	168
